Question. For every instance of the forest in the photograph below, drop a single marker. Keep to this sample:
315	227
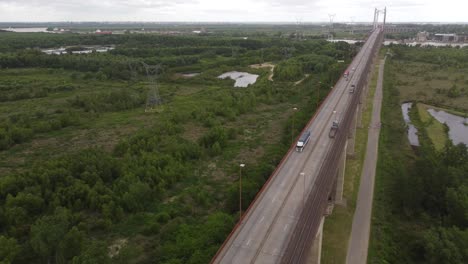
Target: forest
421	203
87	176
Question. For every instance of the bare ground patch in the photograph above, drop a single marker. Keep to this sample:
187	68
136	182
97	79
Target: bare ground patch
193	131
265	65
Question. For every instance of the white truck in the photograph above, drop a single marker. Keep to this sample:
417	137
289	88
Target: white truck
302	141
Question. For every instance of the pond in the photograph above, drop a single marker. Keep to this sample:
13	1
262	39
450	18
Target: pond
26	30
412	131
86	50
349	41
436	44
243	79
458	126
190	75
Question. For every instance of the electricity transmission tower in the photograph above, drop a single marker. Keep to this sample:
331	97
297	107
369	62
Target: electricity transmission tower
352	25
299	32
133	66
153	99
181	56
287	52
261	52
235	53
330	30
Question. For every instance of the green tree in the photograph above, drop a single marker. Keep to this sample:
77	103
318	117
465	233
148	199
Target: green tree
446	246
95	252
9	248
48	232
457	205
72	244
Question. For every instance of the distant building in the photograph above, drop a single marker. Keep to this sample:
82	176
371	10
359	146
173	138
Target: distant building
422	36
446	37
100	32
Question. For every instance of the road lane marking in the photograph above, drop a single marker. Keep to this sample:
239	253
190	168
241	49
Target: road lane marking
282	184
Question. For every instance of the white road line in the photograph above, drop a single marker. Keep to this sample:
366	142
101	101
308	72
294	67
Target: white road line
274	197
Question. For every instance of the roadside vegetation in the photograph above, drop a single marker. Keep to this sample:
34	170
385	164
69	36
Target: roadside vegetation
420	203
86	176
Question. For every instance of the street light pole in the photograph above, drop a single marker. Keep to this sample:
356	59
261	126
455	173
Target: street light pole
303	192
242	165
318	93
292	126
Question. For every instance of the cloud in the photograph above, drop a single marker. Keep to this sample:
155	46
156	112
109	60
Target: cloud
87	10
229	10
134	3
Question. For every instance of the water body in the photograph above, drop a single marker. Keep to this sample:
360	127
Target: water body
243	79
458	131
190	75
26	30
349	41
412	131
435	44
87	50
414	43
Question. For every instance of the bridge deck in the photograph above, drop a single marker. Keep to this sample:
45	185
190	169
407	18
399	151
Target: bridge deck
265	230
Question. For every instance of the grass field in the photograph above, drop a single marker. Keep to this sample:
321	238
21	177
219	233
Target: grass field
435	130
429	83
432	86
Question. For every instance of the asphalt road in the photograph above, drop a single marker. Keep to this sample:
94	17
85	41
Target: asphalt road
267	225
359	239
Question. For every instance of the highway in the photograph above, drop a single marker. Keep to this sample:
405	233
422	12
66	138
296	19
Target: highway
265	229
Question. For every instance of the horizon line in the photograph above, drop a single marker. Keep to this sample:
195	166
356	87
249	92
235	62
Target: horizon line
232	22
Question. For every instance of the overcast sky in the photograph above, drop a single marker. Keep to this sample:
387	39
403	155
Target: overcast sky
231	10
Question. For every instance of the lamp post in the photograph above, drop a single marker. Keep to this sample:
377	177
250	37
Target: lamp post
318	93
292	125
242	165
303	191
